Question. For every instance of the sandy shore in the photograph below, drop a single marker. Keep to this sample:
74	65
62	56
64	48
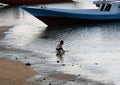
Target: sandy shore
15	73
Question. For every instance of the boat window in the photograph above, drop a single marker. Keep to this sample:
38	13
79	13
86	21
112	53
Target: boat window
102	7
108	7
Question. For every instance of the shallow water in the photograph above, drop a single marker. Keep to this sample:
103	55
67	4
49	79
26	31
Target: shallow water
92	50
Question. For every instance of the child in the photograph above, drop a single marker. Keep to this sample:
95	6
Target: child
59	47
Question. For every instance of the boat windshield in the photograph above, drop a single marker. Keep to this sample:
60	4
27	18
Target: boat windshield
105	7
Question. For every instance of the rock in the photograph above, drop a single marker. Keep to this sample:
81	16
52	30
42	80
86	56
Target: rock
63	64
28	64
72	80
16	58
41	81
44	78
50	84
25	57
96	63
58	61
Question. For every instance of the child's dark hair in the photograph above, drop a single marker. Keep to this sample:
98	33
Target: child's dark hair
62	41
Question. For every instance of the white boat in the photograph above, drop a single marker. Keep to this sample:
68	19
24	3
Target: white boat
103	1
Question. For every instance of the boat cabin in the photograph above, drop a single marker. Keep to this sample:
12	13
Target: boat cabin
113	7
105	7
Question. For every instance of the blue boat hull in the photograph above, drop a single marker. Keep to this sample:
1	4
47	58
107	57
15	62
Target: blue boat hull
52	21
62	16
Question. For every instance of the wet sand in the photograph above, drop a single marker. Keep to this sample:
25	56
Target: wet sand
13	72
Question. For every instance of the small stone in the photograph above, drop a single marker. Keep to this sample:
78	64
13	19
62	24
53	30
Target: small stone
58	61
73	80
63	64
44	78
50	84
41	81
16	58
28	64
96	63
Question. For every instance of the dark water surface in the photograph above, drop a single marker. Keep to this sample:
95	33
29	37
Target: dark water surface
92	50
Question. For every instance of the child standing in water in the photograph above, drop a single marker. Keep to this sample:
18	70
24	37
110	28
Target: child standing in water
59	47
60	51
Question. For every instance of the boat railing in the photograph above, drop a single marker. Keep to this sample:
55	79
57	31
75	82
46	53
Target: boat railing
108	0
104	1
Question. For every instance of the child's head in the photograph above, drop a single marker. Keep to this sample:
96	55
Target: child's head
62	42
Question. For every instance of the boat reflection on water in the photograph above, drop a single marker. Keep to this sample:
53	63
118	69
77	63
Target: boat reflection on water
23	27
14	15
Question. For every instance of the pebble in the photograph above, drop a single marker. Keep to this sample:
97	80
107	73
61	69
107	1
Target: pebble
58	61
28	64
96	63
63	64
16	58
50	84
